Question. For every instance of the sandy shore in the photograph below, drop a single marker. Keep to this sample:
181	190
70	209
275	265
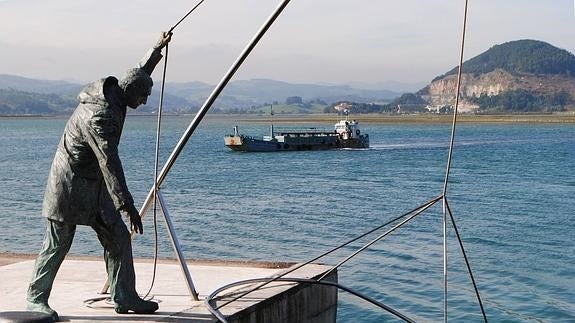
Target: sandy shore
10	258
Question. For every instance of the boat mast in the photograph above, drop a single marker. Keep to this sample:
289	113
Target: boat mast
271	122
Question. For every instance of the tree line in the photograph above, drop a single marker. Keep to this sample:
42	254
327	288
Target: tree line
521	57
522	101
21	102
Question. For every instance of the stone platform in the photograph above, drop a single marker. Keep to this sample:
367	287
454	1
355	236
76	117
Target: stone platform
80	279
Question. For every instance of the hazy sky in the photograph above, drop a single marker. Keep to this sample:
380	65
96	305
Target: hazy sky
328	41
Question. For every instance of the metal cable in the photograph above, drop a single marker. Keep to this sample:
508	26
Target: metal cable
186	16
201	113
418	212
215	93
203	110
156	165
466	261
157	178
430	202
419	209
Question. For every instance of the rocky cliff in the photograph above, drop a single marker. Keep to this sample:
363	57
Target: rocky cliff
501	70
441	92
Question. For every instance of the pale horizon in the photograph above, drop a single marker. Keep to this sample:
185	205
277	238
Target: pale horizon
322	41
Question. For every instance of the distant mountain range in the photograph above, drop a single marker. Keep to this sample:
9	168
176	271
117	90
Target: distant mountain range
20	95
517	76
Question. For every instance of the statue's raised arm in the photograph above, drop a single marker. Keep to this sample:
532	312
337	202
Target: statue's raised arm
154	55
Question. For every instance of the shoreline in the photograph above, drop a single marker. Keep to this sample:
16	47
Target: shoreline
536	118
7	258
566	118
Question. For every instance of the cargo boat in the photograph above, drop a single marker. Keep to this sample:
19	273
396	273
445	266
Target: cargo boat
345	135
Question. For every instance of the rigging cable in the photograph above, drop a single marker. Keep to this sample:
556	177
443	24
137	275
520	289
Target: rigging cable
419	210
184	17
423	206
156	180
383	235
204	109
466	261
156	163
156	185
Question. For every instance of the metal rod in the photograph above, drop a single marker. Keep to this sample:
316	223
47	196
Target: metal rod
457	95
204	109
466	261
444	228
176	246
449	159
212	98
201	113
214	310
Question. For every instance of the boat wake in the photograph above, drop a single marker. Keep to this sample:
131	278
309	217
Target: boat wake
408	146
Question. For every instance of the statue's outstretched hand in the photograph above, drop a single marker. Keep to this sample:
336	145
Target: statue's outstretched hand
135	219
164	40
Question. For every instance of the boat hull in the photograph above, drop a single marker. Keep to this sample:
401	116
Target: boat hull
296	143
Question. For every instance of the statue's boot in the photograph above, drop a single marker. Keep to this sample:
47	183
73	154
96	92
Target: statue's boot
136	305
43	308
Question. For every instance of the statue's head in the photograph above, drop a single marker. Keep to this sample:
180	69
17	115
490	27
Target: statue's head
137	86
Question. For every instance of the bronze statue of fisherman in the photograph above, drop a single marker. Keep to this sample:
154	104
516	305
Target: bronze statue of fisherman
86	186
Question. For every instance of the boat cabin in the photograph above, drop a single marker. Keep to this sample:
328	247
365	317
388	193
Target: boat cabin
347	129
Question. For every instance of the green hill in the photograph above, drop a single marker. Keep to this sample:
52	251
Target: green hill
20	95
15	102
521	57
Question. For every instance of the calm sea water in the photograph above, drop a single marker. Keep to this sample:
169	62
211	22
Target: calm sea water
511	191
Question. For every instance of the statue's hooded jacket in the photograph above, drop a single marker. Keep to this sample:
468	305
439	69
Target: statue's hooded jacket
86	178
